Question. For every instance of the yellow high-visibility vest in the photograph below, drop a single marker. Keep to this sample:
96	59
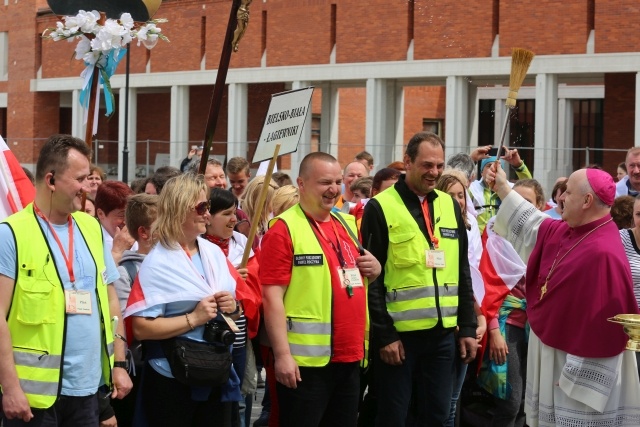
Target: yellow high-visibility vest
37	318
414	292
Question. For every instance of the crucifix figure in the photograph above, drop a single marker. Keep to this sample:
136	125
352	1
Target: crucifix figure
243	21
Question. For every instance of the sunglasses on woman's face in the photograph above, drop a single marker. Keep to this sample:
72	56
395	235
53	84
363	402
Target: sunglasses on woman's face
202	207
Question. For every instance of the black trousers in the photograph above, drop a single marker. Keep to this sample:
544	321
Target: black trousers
326	396
68	411
169	403
425	377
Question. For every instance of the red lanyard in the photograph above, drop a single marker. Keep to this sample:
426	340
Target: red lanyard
427	220
67	259
337	249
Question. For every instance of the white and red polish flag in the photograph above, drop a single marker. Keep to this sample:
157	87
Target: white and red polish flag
501	268
16	190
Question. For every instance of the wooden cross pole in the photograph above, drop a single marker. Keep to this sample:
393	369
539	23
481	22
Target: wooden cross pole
259	207
218	90
93	95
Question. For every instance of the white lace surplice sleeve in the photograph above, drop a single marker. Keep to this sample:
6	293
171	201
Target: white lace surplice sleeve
518	221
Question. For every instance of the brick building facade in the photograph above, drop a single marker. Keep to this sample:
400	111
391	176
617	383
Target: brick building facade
382	71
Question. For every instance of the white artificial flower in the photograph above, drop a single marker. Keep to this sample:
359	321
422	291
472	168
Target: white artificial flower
83	47
71	24
127	21
91	57
109	36
88	21
142	34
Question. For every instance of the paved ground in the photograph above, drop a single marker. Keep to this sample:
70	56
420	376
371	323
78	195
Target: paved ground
257	403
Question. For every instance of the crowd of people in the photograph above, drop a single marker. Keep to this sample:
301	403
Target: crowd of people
369	299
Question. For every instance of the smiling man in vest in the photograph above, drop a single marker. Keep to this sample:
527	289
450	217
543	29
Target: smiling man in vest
56	339
424	292
315	301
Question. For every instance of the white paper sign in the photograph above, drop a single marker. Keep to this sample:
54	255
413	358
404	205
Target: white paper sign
284	122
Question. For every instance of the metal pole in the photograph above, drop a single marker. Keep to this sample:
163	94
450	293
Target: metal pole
147	157
125	150
586	155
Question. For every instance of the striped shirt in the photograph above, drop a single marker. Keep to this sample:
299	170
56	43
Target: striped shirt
633	254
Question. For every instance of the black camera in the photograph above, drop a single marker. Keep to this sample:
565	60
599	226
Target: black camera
218	333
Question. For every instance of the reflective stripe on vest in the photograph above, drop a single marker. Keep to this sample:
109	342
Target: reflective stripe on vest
306	350
309	327
415	292
308	299
37	318
34	388
421	313
36	360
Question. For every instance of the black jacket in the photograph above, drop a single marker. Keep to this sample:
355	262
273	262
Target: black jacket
376	239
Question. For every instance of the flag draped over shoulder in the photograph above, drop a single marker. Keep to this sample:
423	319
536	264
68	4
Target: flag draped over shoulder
168	275
501	269
16	190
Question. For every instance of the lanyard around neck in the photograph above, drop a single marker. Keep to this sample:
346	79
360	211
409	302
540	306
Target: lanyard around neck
67	259
337	249
427	220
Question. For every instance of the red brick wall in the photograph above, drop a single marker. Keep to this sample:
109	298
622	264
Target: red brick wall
453	28
369	31
619	117
547	27
24	119
183	31
422	102
351	124
614	23
298	33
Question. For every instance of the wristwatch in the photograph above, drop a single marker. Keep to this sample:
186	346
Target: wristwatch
124	365
237	310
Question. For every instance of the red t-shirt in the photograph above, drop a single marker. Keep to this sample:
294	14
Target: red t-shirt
348	313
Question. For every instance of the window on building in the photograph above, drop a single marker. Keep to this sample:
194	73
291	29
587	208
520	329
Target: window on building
522	130
316	122
521	127
3	122
587	132
4	55
486	123
433	126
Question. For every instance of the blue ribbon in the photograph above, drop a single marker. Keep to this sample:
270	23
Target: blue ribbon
107	65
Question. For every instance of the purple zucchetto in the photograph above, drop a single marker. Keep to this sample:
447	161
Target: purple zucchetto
602	184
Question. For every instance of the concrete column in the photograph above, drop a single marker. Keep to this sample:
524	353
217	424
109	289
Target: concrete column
564	164
546	131
399	141
77	115
132	128
500	115
304	146
237	145
474	118
457	113
636	136
381	120
179	126
329	119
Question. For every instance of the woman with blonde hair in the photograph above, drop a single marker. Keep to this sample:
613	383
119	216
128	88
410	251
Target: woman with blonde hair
182	288
283	198
249	203
454	183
